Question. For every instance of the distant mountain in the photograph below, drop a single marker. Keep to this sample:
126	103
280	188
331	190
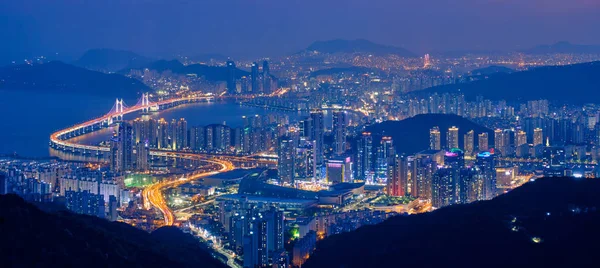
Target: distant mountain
412	135
551	222
211	73
563	47
61	77
577	84
110	60
341	70
494	69
208	57
33	238
357	46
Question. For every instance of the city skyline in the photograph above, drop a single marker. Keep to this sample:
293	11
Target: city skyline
385	145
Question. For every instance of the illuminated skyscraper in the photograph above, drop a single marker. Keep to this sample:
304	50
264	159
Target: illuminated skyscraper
318	130
339	132
538	137
442	188
427	61
424	167
498	139
254	78
364	155
520	138
486	172
121	149
305	163
339	169
435	139
397	183
231	72
452	138
267	78
179	134
385	154
469	142
164	140
142	153
286	157
483	142
306	128
197	138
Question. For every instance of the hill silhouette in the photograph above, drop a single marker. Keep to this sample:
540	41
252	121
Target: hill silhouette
57	77
110	60
412	135
563	48
346	70
211	73
561	212
33	238
357	46
577	84
494	69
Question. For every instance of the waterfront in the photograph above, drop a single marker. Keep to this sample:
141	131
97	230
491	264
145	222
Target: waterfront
42	113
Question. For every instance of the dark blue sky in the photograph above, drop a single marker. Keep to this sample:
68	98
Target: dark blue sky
255	28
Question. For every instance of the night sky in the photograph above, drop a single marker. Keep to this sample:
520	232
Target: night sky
254	28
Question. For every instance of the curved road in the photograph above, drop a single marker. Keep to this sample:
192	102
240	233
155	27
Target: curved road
153	194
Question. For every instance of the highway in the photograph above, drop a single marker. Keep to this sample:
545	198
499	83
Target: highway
153	194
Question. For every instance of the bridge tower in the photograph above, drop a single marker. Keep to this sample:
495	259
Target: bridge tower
146	103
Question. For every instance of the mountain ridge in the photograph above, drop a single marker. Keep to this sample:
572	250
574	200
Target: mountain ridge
581	81
411	135
357	46
61	77
32	237
549	222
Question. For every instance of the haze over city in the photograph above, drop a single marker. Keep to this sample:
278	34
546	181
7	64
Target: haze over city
247	29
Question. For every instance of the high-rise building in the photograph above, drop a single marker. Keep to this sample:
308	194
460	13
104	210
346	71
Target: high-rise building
452	138
254	78
485	165
498	139
266	78
286	157
483	142
318	130
84	202
164	136
424	166
385	154
442	188
454	162
197	138
469	142
397	183
231	72
364	156
306	128
121	148
305	163
222	137
339	132
142	153
435	140
520	138
538	137
179	138
339	169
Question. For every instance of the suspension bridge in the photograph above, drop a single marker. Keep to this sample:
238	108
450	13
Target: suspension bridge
61	139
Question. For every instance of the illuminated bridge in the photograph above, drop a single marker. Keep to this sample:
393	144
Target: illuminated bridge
61	139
